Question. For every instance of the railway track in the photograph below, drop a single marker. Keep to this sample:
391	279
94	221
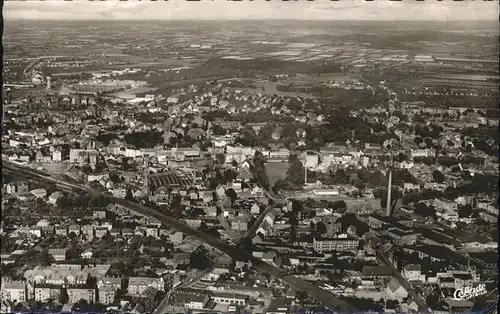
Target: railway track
329	300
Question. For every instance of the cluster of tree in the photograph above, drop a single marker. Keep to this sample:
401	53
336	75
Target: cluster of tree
481	101
427	141
269	66
448	161
438	176
144	139
340	130
337	96
84	306
294	175
484	145
425	211
424	131
465	211
247	137
106	138
263	115
402	117
364	304
148	117
199	259
425	160
218	130
401	176
481	183
220	176
259	170
81	201
381	193
484	138
43	258
360	178
352	220
415	196
215	69
176	204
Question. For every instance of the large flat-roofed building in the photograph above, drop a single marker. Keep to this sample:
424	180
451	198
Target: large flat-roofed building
161	183
229	298
194	301
335	244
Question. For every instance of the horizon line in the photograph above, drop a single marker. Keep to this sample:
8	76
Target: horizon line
247	19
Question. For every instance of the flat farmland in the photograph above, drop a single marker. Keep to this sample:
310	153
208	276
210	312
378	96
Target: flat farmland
466	77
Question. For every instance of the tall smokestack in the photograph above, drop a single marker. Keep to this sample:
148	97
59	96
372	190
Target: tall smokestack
389	190
388	205
48	82
305	175
146	183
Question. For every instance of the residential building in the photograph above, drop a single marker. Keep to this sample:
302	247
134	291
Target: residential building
43	293
101	232
403	238
413	273
88	232
177	237
115	283
137	285
54	197
395	291
428	152
87	254
39	193
107	295
239	223
77	294
14	290
61	231
58	254
99	213
75	229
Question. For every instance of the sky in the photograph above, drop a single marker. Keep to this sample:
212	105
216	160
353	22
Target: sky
430	10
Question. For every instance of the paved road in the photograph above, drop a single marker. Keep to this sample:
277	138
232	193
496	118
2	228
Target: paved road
191	280
329	300
420	301
256	224
188	281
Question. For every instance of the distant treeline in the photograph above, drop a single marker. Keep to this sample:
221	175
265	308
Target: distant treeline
338	96
402	39
271	66
214	69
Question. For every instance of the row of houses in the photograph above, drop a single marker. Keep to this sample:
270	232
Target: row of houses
50	284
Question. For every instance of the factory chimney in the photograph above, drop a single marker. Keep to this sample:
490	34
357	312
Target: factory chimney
389	190
48	82
305	175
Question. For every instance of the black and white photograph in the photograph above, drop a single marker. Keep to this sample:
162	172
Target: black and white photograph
250	157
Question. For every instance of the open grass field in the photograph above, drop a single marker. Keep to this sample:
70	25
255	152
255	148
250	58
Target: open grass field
132	92
276	171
